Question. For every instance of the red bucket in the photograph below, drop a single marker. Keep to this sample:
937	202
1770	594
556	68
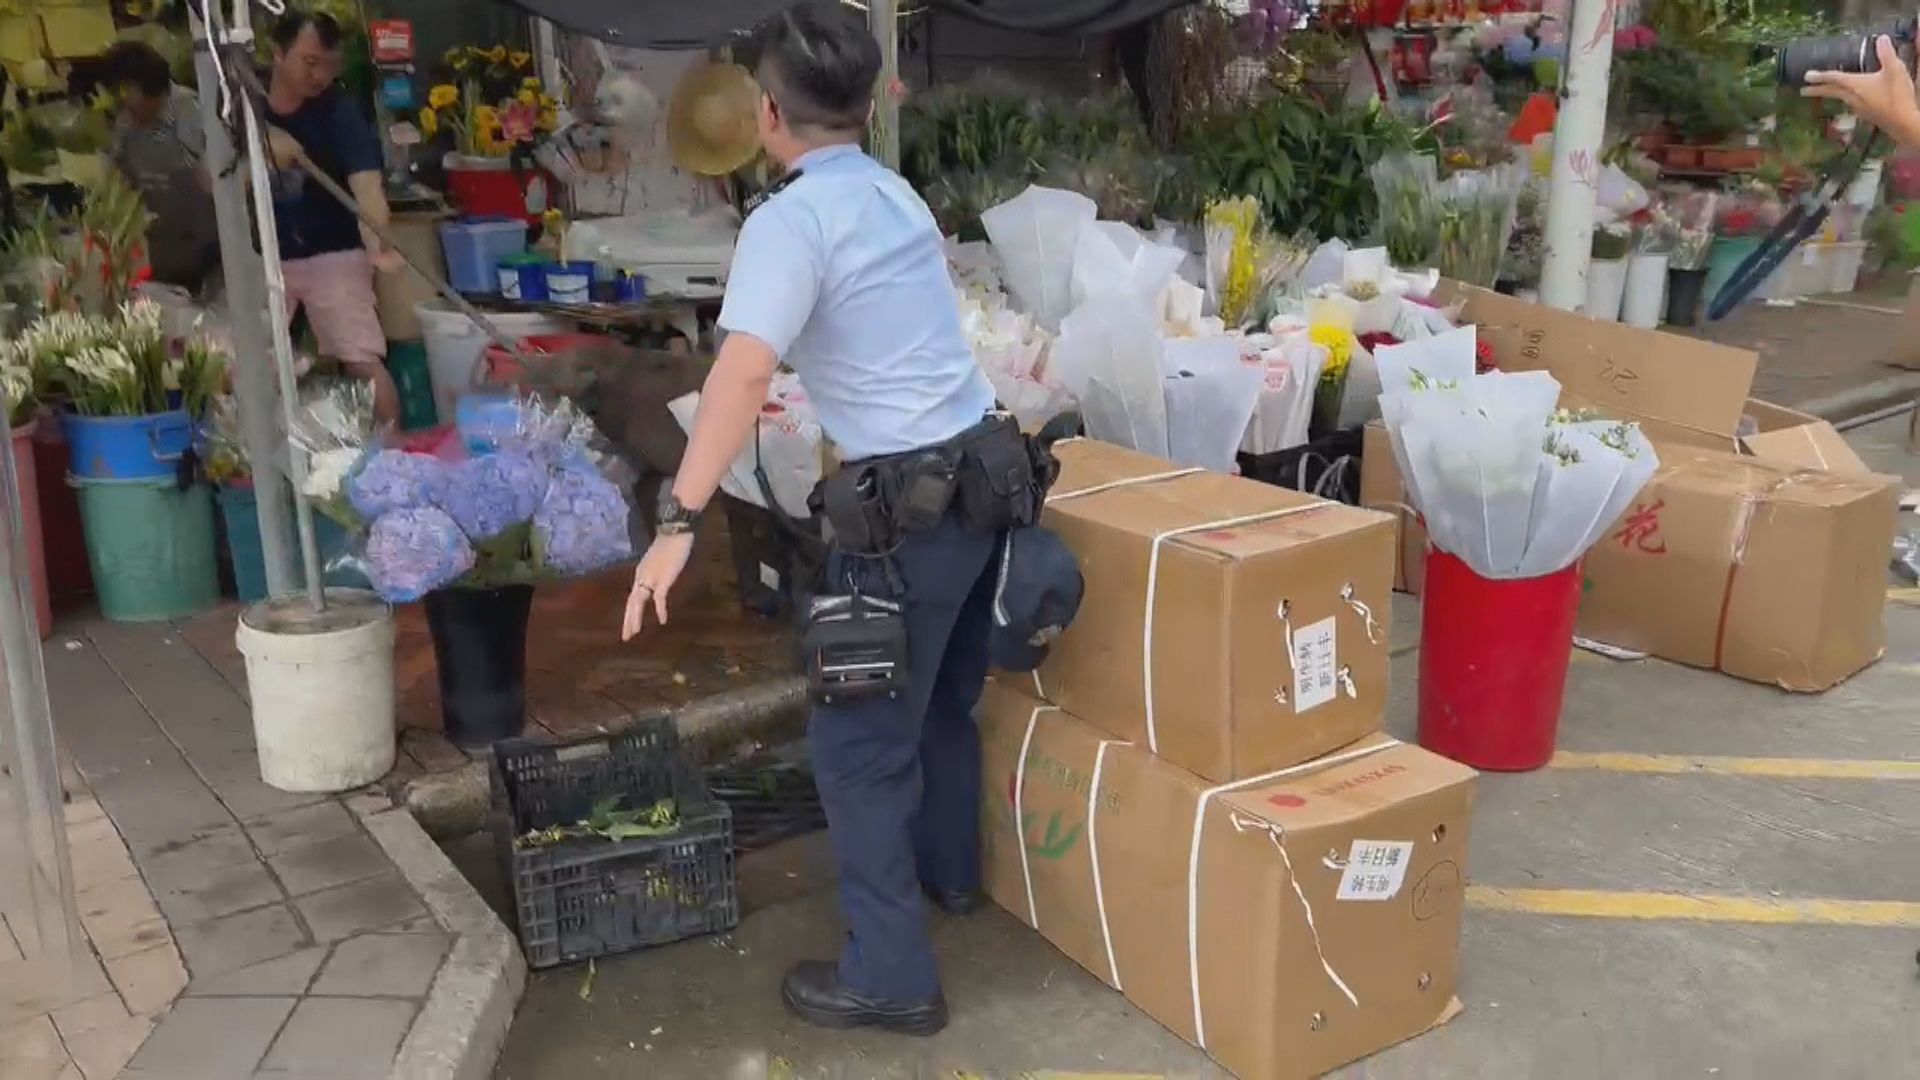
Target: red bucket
497	190
504	369
1493	663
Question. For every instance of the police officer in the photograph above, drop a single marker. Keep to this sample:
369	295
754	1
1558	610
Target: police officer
840	274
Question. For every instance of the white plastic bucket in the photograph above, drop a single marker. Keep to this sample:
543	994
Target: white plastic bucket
455	342
322	690
1606	288
1646	291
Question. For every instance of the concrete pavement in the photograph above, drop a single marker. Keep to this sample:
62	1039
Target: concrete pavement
1658	904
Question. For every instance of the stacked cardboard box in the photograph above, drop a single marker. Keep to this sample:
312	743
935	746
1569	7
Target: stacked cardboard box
1192	799
1759	555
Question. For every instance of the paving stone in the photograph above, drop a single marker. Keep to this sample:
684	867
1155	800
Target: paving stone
98	856
234	776
432	750
341	1036
191	861
284	830
211	1038
100	1035
289	974
232	942
30	1044
224	891
120	917
37	985
383	965
353	857
149	980
84	1016
373	904
83	809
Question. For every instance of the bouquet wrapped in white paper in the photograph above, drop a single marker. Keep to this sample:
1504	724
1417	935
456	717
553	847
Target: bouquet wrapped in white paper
1508	483
786	445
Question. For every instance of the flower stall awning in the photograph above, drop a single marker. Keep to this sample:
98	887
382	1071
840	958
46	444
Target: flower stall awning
676	24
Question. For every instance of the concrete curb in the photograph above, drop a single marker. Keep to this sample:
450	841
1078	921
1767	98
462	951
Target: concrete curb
462	1026
1895	389
455	803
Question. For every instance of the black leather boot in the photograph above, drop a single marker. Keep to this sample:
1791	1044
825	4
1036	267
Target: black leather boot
813	992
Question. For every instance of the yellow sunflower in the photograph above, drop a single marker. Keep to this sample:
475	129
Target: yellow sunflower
519	60
496	55
528	98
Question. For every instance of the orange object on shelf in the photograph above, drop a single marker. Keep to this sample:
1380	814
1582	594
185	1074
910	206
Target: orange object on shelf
1536	118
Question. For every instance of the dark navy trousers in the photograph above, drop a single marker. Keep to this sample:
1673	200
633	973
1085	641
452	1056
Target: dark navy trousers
900	778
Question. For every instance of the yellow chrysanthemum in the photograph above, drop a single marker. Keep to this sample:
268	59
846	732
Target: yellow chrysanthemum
1339	344
496	55
519	59
429	123
528	98
531	82
549	119
486	116
443	96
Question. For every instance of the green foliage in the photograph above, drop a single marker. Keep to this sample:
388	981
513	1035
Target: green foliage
1706	96
1306	163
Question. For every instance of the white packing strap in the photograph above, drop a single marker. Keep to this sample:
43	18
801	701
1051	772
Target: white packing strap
1153	582
1093	852
1193	858
1278	835
1020	806
1351	596
1150	478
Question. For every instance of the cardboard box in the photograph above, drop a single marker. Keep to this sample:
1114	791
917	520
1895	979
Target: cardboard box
1683	391
1382	489
1764	570
1264	613
1760	555
1315	913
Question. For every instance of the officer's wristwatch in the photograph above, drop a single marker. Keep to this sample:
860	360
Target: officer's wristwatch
671	518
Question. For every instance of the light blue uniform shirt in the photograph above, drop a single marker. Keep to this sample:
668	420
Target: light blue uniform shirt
844	275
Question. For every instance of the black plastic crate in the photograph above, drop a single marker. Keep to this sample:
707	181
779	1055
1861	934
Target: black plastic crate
589	896
771	800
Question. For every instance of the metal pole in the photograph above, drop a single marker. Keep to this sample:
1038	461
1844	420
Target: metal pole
881	18
253	383
1574	183
241	34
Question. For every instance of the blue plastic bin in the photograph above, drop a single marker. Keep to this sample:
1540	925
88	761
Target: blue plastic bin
476	247
570	282
128	447
240	514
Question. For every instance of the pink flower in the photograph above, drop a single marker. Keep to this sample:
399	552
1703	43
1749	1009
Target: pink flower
519	122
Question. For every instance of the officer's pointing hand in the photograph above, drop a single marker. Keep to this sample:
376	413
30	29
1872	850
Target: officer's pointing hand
659	568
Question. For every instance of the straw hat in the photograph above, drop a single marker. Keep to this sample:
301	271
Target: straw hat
712	122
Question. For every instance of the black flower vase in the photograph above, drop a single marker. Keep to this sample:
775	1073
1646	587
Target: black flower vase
480	647
1684	289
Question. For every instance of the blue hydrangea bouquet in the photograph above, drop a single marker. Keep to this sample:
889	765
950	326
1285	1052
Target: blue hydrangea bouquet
538	499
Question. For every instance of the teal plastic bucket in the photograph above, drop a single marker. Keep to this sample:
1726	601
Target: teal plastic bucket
1726	255
240	517
150	546
128	447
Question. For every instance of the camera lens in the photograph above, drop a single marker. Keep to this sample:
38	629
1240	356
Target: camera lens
1853	53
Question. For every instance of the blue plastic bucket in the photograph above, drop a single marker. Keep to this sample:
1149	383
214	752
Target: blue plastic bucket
128	447
240	516
475	248
523	279
570	282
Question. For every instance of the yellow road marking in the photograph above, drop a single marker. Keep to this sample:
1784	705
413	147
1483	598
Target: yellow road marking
1604	904
1785	768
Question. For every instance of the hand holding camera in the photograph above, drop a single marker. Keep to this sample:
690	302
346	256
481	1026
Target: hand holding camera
1871	74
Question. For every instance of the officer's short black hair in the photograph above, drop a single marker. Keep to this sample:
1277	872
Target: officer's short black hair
286	29
819	64
139	65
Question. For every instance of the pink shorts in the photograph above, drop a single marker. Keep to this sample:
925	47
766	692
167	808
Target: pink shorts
336	291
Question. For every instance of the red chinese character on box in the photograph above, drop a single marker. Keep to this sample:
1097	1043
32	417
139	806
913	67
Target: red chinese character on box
1641	530
391	41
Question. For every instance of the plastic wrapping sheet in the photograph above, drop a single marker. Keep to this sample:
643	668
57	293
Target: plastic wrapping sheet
1035	234
1211	394
786	445
1283	409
